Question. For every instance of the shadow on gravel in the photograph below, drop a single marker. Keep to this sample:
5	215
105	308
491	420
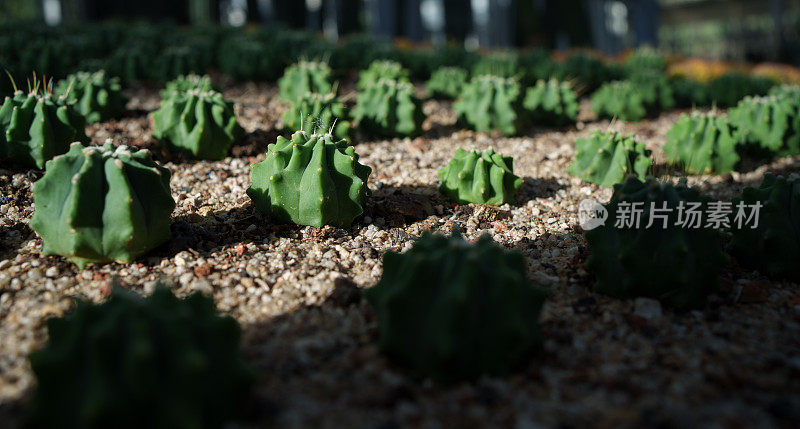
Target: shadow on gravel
536	187
405	204
12	238
255	143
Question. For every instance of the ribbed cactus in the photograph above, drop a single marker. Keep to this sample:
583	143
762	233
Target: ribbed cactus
100	204
389	108
501	64
689	92
606	158
157	362
488	103
773	245
36	127
304	77
454	310
479	177
728	89
381	70
199	123
446	82
551	103
771	123
177	60
619	99
674	263
188	83
310	180
646	60
96	96
702	143
318	113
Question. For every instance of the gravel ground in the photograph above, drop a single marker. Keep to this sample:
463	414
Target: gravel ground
296	290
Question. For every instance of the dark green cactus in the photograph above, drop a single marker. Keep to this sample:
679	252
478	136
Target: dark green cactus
389	108
551	103
454	310
488	103
305	77
606	159
632	100
36	127
587	71
131	63
381	70
96	96
689	92
446	82
201	124
323	113
645	60
479	177
771	123
502	64
158	362
247	58
702	143
773	246
99	204
310	180
677	264
188	83
178	60
728	89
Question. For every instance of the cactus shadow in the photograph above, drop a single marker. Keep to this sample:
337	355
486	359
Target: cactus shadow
537	187
253	143
12	238
405	204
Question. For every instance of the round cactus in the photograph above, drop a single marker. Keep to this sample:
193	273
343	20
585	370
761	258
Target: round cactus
480	178
305	77
188	83
389	108
773	245
488	103
201	124
658	256
310	180
606	158
318	113
770	123
36	127
446	82
551	103
381	70
454	310
96	96
702	143
140	362
100	204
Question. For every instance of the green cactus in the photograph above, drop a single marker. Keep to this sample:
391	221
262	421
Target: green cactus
199	123
305	77
479	177
187	83
551	103
96	96
771	123
38	126
247	58
689	92
587	71
645	60
318	113
159	362
454	310
632	100
606	159
310	180
389	108
501	64
728	89
772	245
99	204
675	263
488	103
178	60
381	70
446	82
130	63
702	143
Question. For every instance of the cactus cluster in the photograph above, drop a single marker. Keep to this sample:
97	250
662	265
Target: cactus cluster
197	122
647	60
188	83
588	71
101	204
633	99
318	113
37	126
96	96
551	103
728	89
607	158
501	64
479	177
381	70
689	92
659	257
140	362
771	123
773	246
488	103
454	310
304	77
310	180
702	143
389	108
446	82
